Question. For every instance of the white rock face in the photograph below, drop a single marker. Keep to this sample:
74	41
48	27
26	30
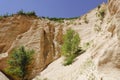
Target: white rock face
80	70
3	77
101	61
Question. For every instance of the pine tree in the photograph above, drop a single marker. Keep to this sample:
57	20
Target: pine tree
19	62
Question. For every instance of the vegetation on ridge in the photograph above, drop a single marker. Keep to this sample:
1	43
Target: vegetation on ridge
101	12
31	13
60	20
21	12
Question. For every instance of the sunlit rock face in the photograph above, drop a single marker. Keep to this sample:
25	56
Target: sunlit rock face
43	36
114	10
104	50
101	60
3	77
10	28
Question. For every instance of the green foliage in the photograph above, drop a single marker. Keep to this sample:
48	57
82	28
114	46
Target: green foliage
60	20
19	61
32	13
1	17
21	12
101	14
71	42
99	6
70	45
69	60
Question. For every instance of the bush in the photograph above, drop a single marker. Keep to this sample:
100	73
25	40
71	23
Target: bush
85	19
70	45
32	13
69	60
101	14
60	20
21	12
19	61
1	17
99	7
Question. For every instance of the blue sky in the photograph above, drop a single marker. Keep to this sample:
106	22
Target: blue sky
50	8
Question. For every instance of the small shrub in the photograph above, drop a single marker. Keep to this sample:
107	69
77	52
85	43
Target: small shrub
32	13
99	6
19	62
1	17
85	19
70	46
71	42
101	14
21	12
60	20
69	60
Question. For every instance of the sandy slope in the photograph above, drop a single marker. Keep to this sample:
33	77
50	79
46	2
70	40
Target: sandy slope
82	69
101	61
3	77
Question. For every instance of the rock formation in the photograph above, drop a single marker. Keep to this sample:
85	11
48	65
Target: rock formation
100	28
43	36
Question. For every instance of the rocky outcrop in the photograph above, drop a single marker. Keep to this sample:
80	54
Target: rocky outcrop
113	7
43	36
10	28
114	28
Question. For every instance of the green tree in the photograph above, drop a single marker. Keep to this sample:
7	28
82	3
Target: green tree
19	61
70	45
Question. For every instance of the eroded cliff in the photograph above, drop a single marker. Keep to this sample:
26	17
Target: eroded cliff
101	60
99	31
41	35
